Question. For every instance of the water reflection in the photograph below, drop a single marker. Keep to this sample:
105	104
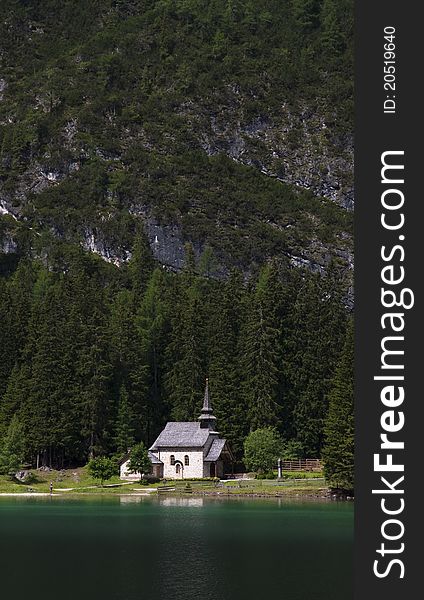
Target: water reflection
131	499
177	548
188	502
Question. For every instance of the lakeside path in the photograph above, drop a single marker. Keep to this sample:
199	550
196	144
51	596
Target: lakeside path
312	492
28	494
74	482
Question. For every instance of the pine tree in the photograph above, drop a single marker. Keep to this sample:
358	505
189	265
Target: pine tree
332	33
12	448
261	375
306	13
185	356
15	310
123	337
127	357
312	346
189	270
15	396
124	437
147	375
207	262
141	264
338	452
262	353
224	366
95	372
8	352
47	411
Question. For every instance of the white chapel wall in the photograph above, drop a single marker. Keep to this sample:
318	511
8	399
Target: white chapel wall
193	469
125	474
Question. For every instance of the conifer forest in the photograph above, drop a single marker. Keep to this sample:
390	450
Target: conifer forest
176	197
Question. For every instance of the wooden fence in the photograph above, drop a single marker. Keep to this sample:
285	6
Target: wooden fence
302	464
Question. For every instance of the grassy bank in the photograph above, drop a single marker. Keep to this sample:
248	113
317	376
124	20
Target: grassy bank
78	481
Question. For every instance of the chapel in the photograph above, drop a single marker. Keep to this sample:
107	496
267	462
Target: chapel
189	449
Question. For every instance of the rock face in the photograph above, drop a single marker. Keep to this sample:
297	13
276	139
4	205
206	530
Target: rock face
94	242
105	131
3	86
167	243
295	147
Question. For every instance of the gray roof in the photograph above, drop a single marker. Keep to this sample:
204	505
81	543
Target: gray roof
206	417
215	449
154	459
183	435
206	401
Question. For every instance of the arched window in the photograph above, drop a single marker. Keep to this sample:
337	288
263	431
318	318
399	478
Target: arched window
186	460
177	468
172	459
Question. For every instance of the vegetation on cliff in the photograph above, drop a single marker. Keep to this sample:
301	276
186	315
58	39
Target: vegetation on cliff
230	120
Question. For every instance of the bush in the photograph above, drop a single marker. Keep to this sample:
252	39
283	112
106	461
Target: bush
267	475
151	479
261	449
102	468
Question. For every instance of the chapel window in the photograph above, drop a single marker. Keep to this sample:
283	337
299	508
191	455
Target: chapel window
186	460
172	459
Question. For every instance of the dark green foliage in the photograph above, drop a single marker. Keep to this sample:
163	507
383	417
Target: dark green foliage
291	450
333	36
15	308
102	468
141	264
124	438
225	368
136	109
118	101
95	366
12	448
338	452
152	329
310	358
267	475
306	13
186	353
95	371
262	449
262	353
337	28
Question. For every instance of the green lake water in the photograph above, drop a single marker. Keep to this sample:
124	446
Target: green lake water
122	548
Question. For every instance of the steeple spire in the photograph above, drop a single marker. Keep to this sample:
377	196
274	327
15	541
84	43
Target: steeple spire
207	419
206	401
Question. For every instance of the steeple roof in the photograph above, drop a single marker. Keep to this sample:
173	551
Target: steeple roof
206	401
207	419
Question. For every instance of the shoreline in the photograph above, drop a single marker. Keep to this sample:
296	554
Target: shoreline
322	496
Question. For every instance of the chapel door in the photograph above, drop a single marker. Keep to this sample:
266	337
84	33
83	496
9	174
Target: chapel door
213	469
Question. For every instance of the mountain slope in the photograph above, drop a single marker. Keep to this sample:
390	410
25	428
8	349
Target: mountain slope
223	123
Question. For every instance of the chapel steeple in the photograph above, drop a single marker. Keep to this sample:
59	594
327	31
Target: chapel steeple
207	419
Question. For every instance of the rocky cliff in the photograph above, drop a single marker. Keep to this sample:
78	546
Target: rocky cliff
226	124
